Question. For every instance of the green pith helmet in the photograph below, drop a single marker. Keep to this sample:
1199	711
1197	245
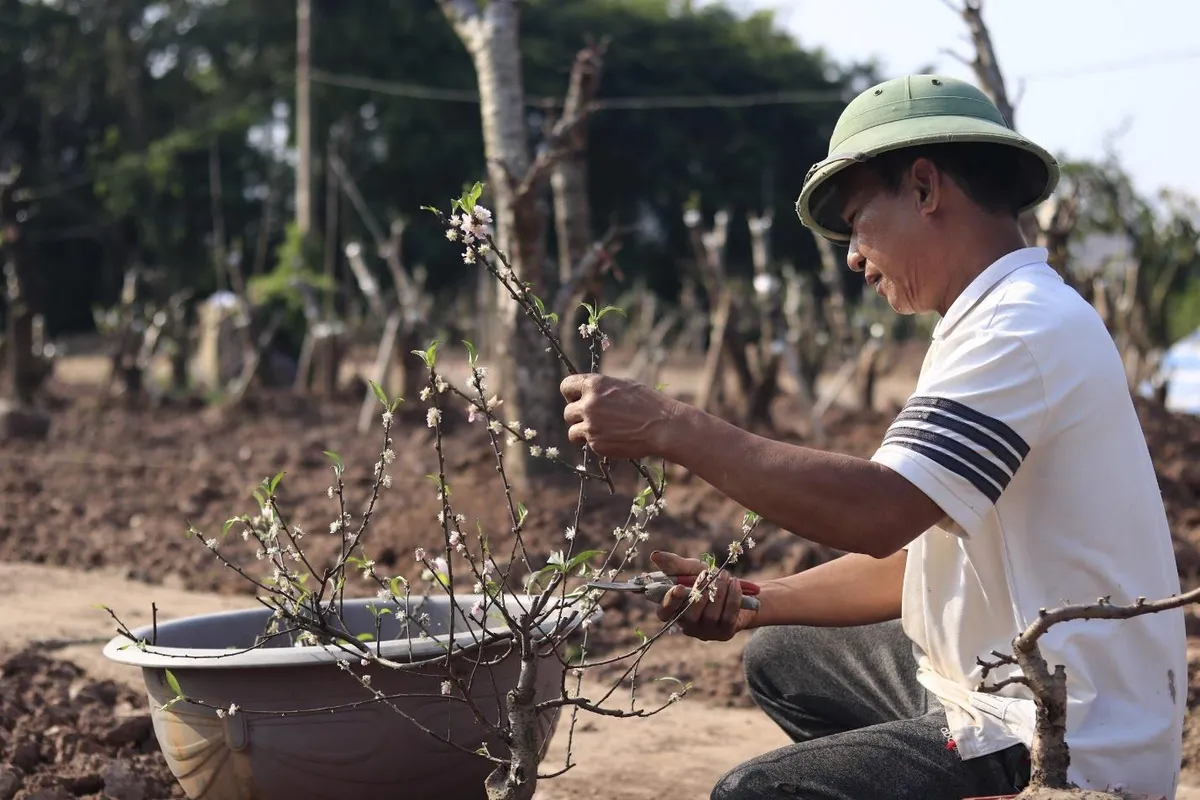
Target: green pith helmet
906	112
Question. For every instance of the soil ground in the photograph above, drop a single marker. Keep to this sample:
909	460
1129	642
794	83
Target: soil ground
96	515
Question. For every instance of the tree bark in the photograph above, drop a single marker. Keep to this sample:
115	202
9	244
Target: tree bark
303	118
529	376
572	210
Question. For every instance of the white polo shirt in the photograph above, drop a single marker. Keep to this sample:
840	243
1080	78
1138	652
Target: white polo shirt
1023	430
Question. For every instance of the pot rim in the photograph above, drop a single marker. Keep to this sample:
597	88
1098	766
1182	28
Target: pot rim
123	651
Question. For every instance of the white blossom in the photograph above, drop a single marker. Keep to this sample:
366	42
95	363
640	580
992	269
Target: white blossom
433	417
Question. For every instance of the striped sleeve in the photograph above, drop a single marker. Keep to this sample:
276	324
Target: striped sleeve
974	419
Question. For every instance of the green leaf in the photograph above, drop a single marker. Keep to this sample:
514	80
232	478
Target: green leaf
338	466
379	393
274	483
173	683
709	560
537	576
607	309
365	637
438	482
579	558
472	356
522	512
228	524
428	355
432	210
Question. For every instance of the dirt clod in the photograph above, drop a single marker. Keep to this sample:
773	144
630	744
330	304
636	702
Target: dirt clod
64	746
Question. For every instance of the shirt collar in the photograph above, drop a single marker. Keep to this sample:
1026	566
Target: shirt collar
984	282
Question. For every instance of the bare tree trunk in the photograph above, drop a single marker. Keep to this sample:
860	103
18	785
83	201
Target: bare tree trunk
220	255
529	376
303	117
22	367
572	210
1054	228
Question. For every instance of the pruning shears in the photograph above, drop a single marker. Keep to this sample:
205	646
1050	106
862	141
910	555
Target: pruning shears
655	586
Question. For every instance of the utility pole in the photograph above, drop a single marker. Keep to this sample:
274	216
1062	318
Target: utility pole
303	118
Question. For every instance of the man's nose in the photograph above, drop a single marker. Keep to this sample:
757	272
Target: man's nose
854	259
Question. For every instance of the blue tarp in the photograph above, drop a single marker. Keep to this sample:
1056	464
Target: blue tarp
1181	368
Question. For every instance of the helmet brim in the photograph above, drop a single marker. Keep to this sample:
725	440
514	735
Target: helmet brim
820	203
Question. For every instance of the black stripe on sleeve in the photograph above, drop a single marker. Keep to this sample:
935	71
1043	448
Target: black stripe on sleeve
934	420
971	415
989	489
980	462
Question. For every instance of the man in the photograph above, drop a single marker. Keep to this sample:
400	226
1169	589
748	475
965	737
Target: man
1017	477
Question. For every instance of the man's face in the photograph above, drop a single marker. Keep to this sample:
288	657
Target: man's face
889	239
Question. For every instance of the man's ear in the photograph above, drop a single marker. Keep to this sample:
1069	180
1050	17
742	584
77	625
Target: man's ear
926	183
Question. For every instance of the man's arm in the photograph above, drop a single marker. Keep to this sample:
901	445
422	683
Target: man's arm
848	503
851	590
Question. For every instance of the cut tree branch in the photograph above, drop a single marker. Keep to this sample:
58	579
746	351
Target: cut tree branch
1050	755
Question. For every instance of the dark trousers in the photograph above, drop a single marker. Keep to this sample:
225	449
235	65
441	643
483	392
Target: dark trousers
862	726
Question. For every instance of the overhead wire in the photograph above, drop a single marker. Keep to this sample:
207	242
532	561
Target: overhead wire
416	91
647	102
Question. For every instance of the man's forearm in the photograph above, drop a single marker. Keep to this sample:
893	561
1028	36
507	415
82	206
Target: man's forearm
851	590
848	503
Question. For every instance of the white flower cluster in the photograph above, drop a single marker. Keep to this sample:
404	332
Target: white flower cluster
471	229
587	331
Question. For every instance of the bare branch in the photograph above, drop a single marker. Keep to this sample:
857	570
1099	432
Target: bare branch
985	64
566	135
1050	754
594	261
968	62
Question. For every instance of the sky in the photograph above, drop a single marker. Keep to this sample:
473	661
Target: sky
1092	69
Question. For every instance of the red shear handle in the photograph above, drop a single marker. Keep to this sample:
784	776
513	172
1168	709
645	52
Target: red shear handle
689	580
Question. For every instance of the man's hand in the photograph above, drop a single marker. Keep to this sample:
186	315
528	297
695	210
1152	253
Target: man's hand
616	418
718	620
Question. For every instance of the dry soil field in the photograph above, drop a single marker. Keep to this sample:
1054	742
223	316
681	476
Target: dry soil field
97	515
